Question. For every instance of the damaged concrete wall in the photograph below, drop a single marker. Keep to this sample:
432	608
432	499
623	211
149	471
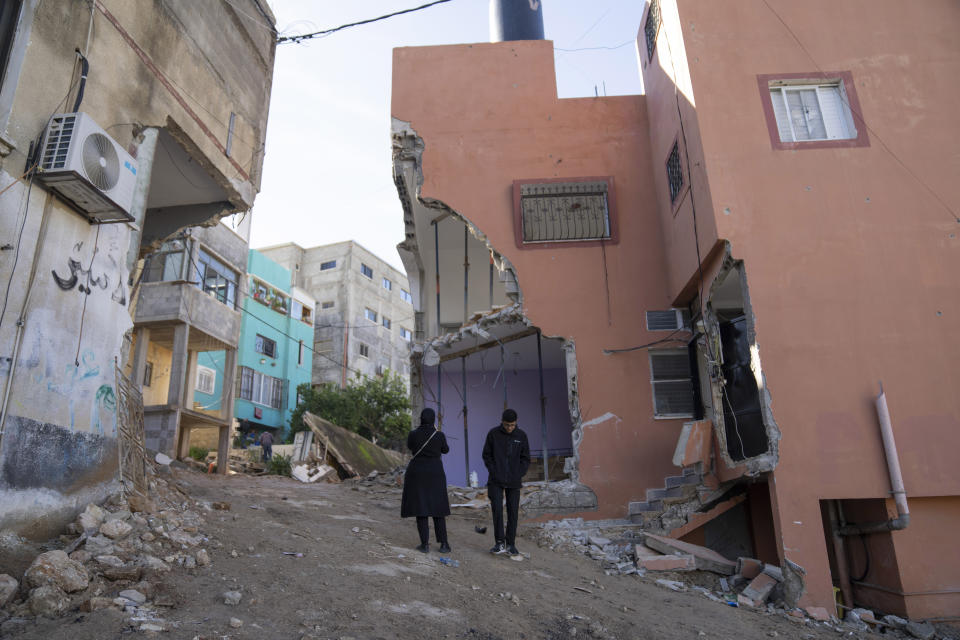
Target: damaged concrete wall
68	308
830	233
594	295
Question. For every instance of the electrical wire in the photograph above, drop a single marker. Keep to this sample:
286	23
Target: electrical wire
308	36
619	46
860	117
666	339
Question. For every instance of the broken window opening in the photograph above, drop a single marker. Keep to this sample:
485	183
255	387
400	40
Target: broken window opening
734	367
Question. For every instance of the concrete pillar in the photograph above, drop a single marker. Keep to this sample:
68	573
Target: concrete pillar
140	356
138	208
226	408
178	365
190	383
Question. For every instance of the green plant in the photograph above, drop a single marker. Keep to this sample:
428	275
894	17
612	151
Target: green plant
372	407
280	465
198	453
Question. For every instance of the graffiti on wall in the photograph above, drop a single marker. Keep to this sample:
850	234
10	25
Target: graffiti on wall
105	270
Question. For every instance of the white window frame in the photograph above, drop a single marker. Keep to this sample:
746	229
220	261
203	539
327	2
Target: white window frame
387	284
204	374
405	334
654	383
778	91
262	389
405	296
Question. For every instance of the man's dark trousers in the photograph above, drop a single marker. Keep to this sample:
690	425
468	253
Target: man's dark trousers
496	493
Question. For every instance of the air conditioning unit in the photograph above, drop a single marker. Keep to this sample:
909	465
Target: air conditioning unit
88	168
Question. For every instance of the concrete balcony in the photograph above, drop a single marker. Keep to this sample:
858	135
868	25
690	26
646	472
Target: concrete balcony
183	302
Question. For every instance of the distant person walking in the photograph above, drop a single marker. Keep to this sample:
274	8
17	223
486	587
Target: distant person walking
425	483
266	443
506	454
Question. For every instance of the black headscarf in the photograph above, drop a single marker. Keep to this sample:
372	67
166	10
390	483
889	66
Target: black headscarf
427	418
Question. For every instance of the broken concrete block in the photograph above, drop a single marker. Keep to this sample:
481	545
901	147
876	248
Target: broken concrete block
759	588
99	545
151	563
667	563
818	613
749	568
921	630
109	561
133	596
793	585
774	572
598	540
745	601
115	529
704	558
673	585
8	588
895	621
48	600
129	572
56	568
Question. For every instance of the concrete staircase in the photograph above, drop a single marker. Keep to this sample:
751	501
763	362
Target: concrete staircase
669	507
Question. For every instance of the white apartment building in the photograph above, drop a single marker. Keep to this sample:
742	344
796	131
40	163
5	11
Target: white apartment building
363	322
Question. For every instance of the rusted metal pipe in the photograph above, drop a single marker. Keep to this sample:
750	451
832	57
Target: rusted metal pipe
840	553
896	479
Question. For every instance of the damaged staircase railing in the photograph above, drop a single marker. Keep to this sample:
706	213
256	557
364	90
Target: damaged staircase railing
131	445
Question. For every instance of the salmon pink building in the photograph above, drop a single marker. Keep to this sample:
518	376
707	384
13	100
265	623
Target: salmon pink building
695	297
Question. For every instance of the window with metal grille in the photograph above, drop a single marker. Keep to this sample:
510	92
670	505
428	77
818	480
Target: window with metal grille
330	264
808	112
651	27
260	389
367	271
674	172
564	211
364	350
668	320
327	305
672	384
148	374
265	345
206	379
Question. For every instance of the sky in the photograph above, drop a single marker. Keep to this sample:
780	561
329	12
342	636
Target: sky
327	174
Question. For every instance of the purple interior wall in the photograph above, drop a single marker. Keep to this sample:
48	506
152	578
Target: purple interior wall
485	405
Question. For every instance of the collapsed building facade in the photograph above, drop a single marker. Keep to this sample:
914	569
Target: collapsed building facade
690	295
120	125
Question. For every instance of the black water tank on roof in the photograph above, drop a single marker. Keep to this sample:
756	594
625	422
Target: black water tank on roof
516	20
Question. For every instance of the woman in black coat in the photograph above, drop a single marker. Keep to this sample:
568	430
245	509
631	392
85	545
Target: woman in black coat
425	483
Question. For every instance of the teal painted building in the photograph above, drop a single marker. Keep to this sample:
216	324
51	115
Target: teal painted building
274	355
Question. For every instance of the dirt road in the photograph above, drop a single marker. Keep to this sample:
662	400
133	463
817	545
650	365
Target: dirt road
359	577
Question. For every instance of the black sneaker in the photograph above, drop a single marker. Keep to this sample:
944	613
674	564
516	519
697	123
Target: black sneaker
498	548
444	547
423	548
512	550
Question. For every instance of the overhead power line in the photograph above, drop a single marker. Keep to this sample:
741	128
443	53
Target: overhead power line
315	34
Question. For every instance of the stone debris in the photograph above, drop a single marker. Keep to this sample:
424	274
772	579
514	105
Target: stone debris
57	569
921	630
48	600
232	598
133	595
8	588
236	623
203	558
115	529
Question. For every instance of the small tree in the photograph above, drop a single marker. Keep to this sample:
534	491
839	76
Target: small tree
376	408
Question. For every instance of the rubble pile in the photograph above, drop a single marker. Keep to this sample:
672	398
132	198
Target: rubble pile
747	582
112	557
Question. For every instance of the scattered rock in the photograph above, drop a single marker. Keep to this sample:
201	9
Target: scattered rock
232	598
895	622
48	600
122	514
115	529
140	504
146	536
921	630
151	563
99	545
221	506
80	555
236	623
8	588
146	588
818	613
97	602
56	568
91	518
152	626
203	558
129	572
133	595
109	561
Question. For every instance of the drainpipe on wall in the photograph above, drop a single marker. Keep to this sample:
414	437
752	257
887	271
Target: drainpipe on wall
896	479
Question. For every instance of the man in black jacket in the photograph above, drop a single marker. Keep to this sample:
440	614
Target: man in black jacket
506	454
